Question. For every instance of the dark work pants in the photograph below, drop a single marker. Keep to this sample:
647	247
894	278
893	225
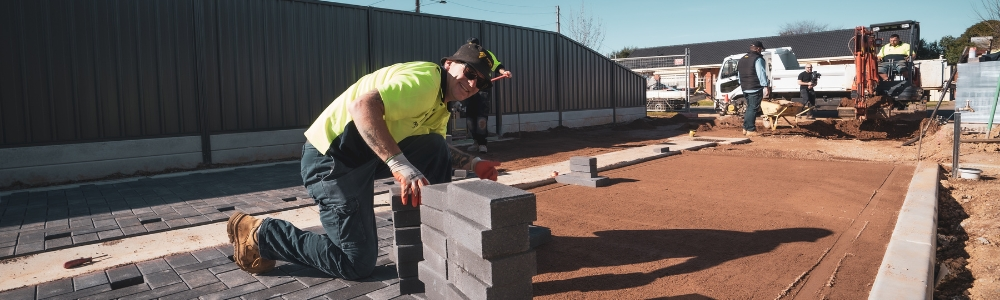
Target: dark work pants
808	97
477	112
753	104
343	186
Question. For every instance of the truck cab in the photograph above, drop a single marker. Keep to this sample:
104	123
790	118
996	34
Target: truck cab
783	71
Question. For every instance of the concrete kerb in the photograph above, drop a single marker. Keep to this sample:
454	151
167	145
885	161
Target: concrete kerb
542	175
137	178
907	270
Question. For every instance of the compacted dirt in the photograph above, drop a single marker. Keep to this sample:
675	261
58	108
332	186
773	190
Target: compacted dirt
720	227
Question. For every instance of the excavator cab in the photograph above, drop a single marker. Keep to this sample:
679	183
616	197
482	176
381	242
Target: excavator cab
892	82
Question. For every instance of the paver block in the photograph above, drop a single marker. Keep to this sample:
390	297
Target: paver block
435	196
435	262
583	175
583	160
661	149
461	173
432	217
89	280
474	289
491	204
495	271
397	200
538	235
410	218
407	253
406	236
591	169
588	182
162	278
124	276
406	269
436	286
487	243
410	285
54	288
235	278
434	240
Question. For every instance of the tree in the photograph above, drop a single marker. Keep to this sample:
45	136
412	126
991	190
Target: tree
953	47
623	53
585	28
990	12
802	27
930	50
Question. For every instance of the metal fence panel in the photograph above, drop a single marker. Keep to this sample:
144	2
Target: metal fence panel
530	56
83	71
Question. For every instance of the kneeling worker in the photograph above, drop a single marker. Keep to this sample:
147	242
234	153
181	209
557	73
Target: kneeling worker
392	121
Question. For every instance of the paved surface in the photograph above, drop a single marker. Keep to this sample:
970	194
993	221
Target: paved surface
38	223
210	274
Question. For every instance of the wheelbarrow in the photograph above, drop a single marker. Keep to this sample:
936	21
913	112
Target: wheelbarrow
773	110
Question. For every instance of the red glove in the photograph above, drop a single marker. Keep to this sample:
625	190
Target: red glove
486	169
410	179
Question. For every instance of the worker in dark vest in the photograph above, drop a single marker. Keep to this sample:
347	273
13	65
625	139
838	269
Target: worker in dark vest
753	82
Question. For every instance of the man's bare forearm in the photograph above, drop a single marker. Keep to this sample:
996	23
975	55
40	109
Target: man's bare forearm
367	112
460	160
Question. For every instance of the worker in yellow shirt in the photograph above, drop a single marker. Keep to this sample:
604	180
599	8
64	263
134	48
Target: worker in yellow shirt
894	57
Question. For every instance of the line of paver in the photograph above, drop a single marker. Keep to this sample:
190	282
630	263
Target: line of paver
33	222
210	274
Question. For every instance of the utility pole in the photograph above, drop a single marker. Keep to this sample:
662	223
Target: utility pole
557	18
418	6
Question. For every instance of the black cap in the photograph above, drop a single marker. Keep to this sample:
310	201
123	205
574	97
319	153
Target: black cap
758	44
473	40
474	55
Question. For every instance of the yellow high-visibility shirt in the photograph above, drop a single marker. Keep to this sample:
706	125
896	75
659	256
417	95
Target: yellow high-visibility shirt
411	94
889	49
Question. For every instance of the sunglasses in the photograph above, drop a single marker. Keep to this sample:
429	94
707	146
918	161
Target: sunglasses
481	83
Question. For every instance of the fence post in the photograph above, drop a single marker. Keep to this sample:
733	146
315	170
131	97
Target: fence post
199	44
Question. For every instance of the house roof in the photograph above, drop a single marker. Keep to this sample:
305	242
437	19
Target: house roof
823	44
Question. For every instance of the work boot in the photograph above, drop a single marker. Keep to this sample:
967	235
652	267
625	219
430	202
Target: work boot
482	148
744	132
473	148
751	133
242	230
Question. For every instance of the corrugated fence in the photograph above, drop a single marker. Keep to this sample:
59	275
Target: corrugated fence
104	70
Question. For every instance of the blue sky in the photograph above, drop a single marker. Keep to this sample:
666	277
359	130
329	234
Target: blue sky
669	22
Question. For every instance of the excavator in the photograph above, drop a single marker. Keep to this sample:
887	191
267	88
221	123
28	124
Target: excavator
876	95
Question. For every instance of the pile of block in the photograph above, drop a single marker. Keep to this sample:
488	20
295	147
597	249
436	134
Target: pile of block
407	248
475	241
583	171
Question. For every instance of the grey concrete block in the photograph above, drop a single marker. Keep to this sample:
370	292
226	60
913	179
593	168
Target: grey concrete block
583	160
461	173
474	289
409	218
407	253
124	276
435	196
589	169
406	269
496	271
583	175
406	236
436	286
491	204
435	262
538	235
487	243
410	285
432	217
661	149
590	182
434	240
397	200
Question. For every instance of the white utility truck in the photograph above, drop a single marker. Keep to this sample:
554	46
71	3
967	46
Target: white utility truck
783	71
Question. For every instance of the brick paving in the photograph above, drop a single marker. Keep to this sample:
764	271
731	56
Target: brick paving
210	274
33	222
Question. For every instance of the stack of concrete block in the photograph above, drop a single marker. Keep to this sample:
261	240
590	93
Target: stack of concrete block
475	239
583	171
407	248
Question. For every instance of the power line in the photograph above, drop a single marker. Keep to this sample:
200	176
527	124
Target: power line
536	26
514	5
376	2
497	12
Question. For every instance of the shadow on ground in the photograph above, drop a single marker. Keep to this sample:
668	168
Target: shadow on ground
704	248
